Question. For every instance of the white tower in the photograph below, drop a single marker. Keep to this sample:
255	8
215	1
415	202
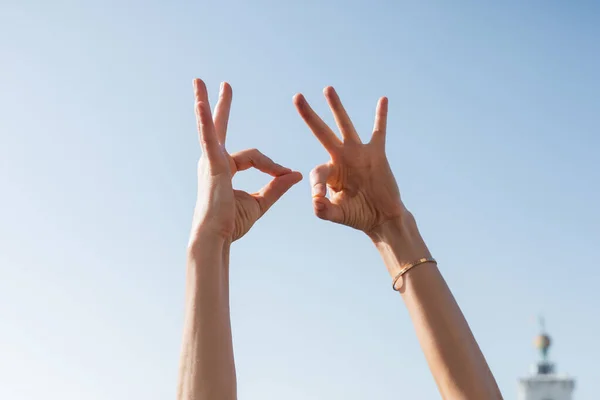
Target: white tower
545	383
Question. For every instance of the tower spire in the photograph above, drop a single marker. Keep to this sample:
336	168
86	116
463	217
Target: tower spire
545	383
542	343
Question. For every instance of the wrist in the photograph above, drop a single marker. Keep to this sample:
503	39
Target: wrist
207	263
205	240
399	242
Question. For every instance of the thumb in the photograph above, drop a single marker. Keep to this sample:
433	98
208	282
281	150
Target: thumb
325	209
269	194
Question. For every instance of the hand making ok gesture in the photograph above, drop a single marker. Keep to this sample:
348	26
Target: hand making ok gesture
220	209
362	189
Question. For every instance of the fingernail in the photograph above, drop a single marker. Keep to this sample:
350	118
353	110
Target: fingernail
319	206
281	170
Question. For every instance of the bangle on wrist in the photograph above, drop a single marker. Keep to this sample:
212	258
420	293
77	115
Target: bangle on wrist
410	266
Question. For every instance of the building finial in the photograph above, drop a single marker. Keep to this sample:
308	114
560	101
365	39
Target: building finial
542	343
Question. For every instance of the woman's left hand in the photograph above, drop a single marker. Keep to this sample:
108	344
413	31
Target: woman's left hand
220	209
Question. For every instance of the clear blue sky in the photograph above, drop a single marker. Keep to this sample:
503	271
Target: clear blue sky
493	135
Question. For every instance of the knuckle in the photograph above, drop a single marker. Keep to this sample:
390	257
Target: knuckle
320	171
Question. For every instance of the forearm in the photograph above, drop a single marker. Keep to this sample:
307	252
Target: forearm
207	369
456	362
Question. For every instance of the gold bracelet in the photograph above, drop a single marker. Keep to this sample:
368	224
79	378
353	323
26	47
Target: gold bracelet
409	267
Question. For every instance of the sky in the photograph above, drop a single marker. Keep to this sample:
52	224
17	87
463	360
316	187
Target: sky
493	135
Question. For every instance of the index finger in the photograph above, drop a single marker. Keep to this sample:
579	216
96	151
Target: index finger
326	136
246	159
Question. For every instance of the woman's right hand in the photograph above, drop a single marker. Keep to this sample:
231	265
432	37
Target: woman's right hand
362	188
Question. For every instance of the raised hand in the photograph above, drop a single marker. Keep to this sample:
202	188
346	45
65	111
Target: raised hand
362	189
220	209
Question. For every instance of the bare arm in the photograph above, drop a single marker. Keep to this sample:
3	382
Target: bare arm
207	369
357	188
222	216
456	362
